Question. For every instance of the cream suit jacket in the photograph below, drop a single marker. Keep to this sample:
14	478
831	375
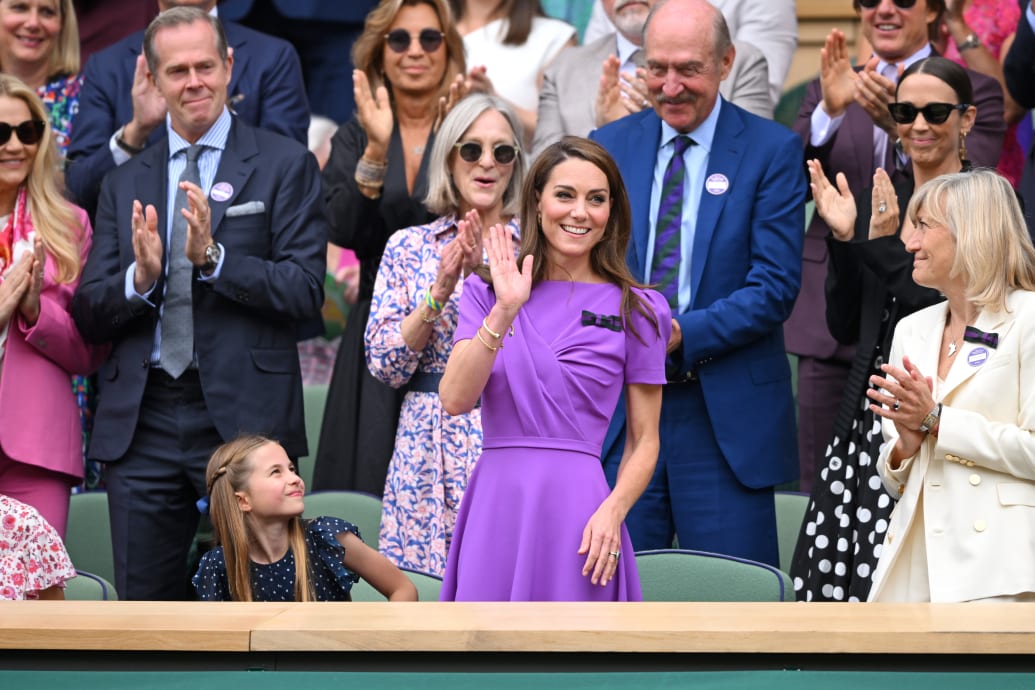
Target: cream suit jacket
978	475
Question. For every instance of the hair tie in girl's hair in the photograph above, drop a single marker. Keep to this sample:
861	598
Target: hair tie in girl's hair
202	504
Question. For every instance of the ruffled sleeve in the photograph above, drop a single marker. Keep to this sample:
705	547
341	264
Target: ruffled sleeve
645	361
325	549
32	557
210	582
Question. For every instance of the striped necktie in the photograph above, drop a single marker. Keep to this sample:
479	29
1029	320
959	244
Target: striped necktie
665	270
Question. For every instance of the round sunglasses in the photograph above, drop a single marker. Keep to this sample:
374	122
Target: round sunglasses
934	113
471	151
399	40
29	132
901	4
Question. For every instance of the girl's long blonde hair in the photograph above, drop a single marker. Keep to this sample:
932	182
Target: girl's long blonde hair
228	472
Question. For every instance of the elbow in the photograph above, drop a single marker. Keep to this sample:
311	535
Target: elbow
453	406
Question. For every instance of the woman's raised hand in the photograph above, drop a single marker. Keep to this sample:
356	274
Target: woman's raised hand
884	216
470	228
511	285
373	110
835	205
29	305
448	269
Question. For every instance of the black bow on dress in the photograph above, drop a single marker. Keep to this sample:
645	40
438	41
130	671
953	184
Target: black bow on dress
973	335
612	323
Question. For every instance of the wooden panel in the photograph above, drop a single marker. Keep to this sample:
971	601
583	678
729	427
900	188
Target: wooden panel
699	627
131	625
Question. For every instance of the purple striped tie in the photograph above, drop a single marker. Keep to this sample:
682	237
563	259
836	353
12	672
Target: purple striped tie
665	270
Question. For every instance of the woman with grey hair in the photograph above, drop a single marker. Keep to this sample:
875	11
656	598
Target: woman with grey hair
475	173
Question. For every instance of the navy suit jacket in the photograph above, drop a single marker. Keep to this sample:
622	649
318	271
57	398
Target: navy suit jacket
323	10
245	321
745	274
266	90
1019	68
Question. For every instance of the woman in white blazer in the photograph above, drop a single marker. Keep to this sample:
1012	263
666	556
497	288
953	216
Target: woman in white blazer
958	403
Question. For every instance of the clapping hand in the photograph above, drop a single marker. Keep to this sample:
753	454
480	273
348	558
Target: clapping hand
884	216
836	77
29	306
457	90
147	247
14	286
903	395
873	91
374	111
835	205
470	230
511	285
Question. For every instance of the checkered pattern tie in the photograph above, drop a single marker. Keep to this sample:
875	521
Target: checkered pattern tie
177	348
665	269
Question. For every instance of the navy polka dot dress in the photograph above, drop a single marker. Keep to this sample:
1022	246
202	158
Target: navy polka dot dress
331	580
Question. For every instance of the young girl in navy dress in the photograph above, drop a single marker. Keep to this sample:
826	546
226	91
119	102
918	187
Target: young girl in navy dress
266	551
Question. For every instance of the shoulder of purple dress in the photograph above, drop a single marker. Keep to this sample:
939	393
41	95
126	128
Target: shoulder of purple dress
656	303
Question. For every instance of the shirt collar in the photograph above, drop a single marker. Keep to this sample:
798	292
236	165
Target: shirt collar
915	57
214	138
625	48
703	136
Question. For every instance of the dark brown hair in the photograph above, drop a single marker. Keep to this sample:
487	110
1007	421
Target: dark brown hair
517	13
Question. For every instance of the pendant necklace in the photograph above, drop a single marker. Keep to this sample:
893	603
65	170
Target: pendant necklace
952	343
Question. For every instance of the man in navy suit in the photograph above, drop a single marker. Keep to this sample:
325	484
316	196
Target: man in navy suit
727	417
121	113
254	234
1019	67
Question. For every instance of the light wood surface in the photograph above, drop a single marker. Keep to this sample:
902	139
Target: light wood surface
649	627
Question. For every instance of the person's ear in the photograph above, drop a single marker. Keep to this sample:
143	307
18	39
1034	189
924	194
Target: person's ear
242	502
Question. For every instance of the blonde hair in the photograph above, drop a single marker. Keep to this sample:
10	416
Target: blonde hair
994	252
368	52
228	472
64	59
53	217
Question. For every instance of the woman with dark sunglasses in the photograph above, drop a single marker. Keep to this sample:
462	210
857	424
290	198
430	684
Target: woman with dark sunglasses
869	289
44	241
475	171
408	60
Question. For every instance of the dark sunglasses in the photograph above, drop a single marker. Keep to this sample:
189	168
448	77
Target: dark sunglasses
471	151
399	40
901	4
934	113
29	132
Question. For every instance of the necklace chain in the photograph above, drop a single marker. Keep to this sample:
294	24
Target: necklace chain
953	348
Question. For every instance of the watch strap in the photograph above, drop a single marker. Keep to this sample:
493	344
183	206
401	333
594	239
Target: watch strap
931	420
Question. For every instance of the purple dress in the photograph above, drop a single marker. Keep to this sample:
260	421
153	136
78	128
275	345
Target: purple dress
545	410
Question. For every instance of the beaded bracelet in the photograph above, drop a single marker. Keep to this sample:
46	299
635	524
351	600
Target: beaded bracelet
494	334
491	347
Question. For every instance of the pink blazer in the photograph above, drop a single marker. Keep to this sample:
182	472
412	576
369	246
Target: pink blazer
39	418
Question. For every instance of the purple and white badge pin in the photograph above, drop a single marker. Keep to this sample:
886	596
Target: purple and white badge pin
717	183
221	191
977	356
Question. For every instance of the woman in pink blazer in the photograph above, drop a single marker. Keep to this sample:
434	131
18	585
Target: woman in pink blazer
43	243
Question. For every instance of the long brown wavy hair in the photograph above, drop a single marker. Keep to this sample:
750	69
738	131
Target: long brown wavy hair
607	257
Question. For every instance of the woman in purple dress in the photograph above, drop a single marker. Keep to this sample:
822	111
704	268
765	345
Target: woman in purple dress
547	347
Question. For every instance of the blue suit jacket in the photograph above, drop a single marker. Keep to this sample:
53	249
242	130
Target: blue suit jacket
745	275
266	90
323	10
245	321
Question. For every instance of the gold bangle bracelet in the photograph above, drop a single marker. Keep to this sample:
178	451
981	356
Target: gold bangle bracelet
491	348
494	334
428	310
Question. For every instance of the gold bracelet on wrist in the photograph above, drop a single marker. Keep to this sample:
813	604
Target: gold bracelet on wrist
492	348
494	334
425	315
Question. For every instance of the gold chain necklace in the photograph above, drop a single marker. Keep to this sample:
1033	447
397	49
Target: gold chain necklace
953	348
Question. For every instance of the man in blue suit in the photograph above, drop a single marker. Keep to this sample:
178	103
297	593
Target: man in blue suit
208	251
121	112
727	417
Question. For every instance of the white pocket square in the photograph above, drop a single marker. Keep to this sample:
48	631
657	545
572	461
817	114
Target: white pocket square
246	209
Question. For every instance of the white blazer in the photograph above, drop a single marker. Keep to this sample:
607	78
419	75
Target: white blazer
978	475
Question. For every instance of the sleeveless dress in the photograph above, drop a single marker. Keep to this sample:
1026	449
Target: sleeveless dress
331	580
545	410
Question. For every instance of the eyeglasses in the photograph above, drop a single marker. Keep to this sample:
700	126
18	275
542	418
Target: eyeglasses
471	151
901	4
934	113
29	132
399	40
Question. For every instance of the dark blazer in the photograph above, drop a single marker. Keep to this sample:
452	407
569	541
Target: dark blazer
322	10
266	90
744	278
245	321
850	151
1019	68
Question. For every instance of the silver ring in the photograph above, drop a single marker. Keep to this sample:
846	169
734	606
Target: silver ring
615	554
882	207
896	406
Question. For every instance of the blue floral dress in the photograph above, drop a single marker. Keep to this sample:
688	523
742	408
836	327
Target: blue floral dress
331	580
434	452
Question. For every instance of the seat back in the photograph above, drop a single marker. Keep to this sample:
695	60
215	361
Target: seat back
89	587
790	512
361	509
314	400
682	575
88	537
428	587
